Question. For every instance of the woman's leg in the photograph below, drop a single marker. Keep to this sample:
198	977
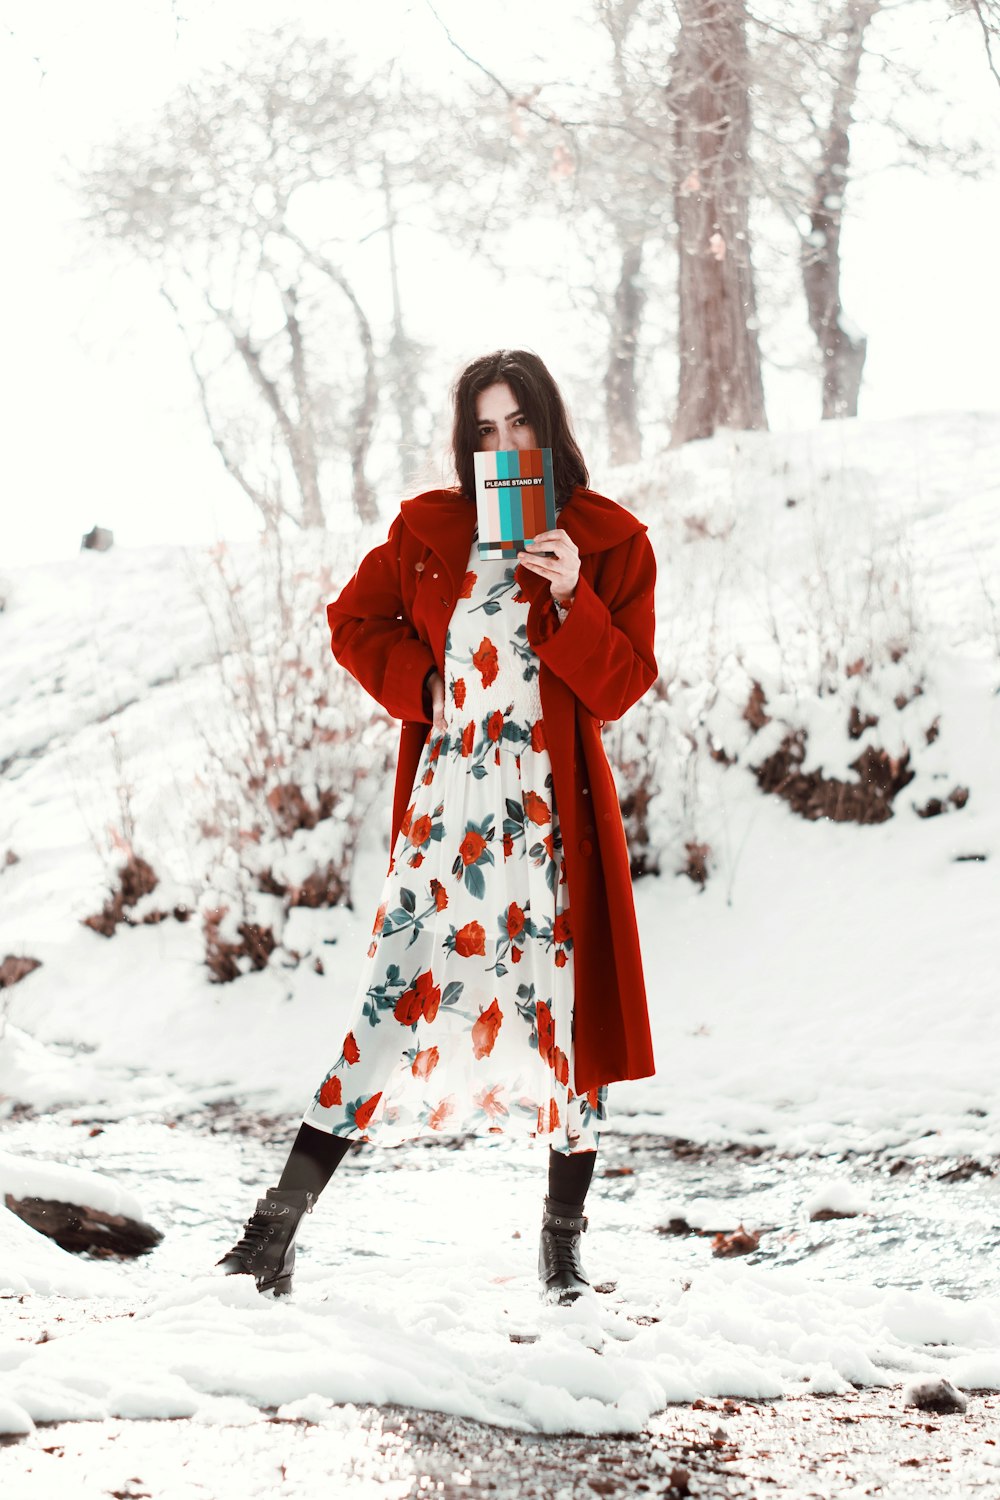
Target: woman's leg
267	1248
559	1270
570	1173
313	1159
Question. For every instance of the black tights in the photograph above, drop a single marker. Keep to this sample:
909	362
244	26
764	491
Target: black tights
316	1155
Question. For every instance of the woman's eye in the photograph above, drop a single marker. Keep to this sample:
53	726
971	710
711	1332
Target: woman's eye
521	422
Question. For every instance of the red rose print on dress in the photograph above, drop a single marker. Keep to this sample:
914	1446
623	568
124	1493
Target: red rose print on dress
404	826
331	1093
490	1103
484	1031
380	917
494	726
560	959
364	1112
508	845
561	930
471	847
441	1113
474	854
351	1049
468	738
420	831
536	808
485	661
458	692
468	584
538	735
515	920
425	1062
408	1008
431	996
470	940
515	953
440	895
560	1065
422	1000
546	1031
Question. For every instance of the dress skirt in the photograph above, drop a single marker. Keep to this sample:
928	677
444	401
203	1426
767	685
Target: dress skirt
463	1017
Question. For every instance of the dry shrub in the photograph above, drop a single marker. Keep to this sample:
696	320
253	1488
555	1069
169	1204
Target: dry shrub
294	757
14	968
696	867
136	878
222	958
813	795
935	806
634	747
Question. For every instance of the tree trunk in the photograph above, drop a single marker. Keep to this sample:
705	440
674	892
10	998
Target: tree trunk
720	378
842	350
403	374
620	383
363	421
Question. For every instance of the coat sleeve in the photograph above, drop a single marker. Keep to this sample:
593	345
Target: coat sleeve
603	650
371	636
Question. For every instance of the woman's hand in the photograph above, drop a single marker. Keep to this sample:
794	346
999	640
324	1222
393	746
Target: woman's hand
562	570
436	685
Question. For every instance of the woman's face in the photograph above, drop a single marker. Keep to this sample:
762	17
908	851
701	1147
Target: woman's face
501	422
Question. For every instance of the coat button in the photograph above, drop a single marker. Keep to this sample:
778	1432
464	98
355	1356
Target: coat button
586	847
433	575
419	567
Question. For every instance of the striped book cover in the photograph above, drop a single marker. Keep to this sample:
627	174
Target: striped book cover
515	498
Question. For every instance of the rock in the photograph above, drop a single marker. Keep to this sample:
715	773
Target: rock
97	539
934	1393
77	1227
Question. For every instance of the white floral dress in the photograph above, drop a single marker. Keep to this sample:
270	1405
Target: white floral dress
463	1020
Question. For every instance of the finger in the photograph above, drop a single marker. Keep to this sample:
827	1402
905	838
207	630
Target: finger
549	567
543	566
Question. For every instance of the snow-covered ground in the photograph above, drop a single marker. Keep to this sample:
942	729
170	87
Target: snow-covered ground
830	997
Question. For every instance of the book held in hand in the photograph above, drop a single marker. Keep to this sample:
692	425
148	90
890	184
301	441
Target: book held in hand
515	498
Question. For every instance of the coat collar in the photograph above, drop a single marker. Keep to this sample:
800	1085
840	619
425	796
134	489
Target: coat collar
445	521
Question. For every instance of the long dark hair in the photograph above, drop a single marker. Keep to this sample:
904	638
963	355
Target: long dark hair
538	397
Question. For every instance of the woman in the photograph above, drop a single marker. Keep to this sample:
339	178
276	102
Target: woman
503	988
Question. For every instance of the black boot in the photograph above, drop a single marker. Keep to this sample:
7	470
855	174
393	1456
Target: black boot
267	1249
559	1270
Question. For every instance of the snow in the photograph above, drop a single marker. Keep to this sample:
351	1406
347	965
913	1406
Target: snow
63	1184
830	993
379	1332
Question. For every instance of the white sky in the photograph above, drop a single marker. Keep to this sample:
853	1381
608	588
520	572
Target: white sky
101	420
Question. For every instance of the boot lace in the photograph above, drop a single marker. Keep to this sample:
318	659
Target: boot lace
562	1255
255	1236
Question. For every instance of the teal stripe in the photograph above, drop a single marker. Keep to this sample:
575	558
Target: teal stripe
504	495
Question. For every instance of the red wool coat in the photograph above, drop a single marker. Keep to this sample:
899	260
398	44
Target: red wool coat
388	627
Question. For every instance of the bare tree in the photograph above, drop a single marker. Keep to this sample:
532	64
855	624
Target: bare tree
209	196
720	375
841	349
